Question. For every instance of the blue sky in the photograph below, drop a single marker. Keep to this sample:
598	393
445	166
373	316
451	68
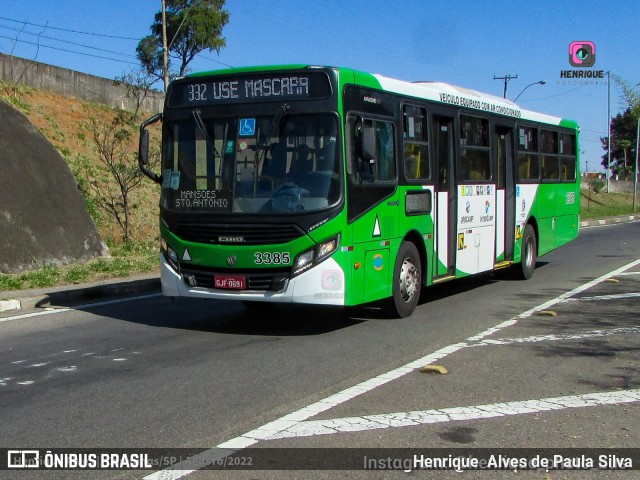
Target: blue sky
466	43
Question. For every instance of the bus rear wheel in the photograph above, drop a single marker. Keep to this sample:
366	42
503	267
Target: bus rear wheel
528	254
407	281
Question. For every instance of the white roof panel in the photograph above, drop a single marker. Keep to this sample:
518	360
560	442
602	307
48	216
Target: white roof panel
463	97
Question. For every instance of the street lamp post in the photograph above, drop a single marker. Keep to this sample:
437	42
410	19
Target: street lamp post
541	82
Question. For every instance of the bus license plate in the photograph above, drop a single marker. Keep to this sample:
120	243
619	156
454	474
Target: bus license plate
233	282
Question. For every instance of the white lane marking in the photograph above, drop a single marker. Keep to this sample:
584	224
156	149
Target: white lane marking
556	338
60	364
288	421
34	314
70	368
48	355
599	298
624	274
554	301
78	307
475	412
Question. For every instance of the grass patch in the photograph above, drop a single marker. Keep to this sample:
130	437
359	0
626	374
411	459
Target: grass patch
125	261
601	205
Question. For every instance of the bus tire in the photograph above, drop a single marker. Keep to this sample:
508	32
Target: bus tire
407	281
528	254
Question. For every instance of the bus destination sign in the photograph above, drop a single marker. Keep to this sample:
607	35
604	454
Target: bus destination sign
250	88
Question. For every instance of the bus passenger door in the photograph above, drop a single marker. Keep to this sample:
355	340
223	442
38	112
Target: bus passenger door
445	241
505	194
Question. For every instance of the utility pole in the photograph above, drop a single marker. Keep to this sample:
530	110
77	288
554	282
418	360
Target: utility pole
506	79
608	171
165	50
635	171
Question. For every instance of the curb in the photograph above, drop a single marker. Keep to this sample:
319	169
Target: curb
610	221
68	296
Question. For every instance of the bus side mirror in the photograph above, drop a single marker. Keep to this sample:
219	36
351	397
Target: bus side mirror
143	149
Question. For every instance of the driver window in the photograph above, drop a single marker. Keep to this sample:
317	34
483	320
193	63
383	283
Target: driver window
382	167
371	175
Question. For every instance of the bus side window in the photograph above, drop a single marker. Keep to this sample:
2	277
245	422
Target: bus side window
416	146
475	159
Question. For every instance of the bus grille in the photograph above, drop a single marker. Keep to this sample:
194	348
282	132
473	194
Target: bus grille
231	234
274	281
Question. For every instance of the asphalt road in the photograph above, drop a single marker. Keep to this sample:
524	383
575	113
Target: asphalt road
153	372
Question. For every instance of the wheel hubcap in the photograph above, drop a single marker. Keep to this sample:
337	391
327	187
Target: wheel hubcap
409	279
528	252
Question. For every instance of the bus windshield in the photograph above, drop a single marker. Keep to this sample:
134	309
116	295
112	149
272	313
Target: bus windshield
282	164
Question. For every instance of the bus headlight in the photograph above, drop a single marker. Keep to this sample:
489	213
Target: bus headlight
169	253
303	261
327	248
316	255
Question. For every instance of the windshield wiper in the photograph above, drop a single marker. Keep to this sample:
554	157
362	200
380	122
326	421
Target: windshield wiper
203	131
262	147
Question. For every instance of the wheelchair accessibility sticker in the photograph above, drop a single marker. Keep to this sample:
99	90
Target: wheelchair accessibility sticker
247	127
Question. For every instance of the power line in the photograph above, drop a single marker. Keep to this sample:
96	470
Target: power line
216	61
556	95
70	31
67	42
68	51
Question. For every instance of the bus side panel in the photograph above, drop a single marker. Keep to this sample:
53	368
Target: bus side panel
546	209
377	236
476	231
372	252
568	211
418	218
525	208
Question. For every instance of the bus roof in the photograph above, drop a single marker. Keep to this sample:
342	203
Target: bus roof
464	97
439	92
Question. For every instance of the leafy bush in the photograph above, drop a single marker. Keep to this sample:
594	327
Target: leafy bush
597	185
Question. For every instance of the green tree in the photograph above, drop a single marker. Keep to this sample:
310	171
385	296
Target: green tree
623	143
623	131
192	26
112	143
138	85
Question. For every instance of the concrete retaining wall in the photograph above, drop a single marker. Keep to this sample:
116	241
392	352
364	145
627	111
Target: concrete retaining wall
615	186
73	84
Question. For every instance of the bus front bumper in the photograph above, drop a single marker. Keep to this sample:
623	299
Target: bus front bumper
324	284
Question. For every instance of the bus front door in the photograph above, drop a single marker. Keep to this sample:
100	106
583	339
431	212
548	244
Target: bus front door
505	195
445	241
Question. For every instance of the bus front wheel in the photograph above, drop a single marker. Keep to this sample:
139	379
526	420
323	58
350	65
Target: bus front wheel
407	281
528	254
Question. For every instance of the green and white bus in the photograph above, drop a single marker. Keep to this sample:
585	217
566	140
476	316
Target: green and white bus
331	186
